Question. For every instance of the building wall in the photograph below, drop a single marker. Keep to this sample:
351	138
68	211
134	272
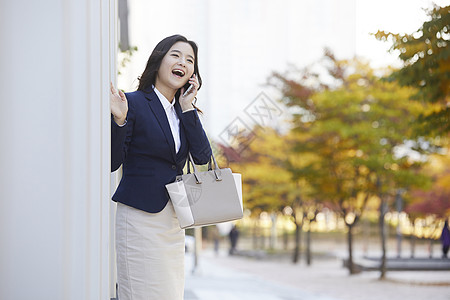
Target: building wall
57	58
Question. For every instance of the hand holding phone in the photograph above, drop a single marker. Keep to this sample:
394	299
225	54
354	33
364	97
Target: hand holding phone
188	96
188	90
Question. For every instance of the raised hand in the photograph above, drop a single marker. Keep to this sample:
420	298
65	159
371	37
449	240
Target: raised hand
119	105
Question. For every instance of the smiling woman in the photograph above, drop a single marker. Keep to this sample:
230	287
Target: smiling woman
148	77
152	131
176	66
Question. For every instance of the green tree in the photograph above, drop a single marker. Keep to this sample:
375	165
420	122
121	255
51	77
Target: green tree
350	129
426	57
268	186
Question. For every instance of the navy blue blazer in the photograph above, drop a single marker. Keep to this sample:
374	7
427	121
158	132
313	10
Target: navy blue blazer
146	148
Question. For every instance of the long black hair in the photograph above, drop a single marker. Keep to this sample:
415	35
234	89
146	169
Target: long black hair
148	77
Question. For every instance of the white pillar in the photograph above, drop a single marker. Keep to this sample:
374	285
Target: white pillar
56	60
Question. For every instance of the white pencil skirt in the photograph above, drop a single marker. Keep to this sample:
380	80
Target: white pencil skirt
150	254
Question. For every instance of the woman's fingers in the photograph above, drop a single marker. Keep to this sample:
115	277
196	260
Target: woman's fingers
122	96
113	90
118	102
194	81
115	94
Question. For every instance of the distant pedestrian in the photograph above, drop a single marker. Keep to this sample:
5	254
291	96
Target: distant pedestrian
216	238
234	235
445	239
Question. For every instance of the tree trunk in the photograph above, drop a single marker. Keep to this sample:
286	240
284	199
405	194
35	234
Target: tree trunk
308	245
255	235
383	209
285	239
298	231
430	248
273	232
413	245
351	268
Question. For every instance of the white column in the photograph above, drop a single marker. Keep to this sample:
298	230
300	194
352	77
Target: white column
57	58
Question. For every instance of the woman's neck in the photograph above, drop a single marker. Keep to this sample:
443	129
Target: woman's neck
169	93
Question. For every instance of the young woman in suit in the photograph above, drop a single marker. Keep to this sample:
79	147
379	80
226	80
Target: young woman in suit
152	131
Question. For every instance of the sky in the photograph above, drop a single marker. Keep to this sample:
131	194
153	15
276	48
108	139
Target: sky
241	42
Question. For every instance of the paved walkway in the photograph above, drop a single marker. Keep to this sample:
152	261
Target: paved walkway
212	281
237	278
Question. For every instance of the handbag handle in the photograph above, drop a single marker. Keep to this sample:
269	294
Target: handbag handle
211	160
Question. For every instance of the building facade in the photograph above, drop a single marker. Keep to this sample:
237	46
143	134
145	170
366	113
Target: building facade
57	58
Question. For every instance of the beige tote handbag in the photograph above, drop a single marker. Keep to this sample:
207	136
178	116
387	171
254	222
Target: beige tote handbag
206	198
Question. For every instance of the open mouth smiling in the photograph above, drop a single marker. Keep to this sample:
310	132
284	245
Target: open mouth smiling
178	73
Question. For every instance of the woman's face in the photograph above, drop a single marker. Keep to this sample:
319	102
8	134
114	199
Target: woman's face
176	67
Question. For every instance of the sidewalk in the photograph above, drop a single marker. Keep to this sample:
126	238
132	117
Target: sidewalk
233	278
212	281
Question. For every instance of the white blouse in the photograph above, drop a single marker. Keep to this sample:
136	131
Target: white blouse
174	122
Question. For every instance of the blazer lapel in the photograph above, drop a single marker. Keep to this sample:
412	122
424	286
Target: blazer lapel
160	114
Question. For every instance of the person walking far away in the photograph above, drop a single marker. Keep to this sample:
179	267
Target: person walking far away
445	239
215	235
234	235
152	131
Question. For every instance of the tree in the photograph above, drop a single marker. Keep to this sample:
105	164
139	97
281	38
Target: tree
426	57
268	186
431	204
350	130
266	181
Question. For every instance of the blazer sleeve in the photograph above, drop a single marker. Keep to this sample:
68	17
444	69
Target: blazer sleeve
120	139
198	141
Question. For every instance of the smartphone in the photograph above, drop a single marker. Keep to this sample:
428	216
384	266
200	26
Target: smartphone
188	87
188	90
